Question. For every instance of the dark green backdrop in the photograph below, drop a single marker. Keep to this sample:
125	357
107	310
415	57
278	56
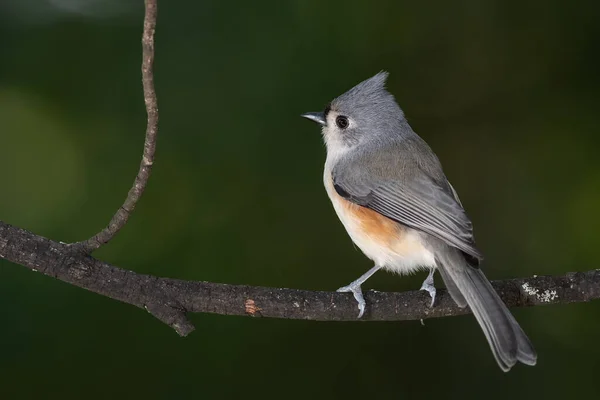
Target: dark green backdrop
505	92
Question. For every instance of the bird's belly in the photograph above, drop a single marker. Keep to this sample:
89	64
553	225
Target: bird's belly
390	245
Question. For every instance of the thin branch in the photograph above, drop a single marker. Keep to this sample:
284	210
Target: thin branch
170	300
121	217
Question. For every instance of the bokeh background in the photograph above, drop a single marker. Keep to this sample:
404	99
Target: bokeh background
505	92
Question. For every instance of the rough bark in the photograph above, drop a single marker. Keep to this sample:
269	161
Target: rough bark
170	300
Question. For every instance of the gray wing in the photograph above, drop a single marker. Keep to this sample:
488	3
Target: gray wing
419	202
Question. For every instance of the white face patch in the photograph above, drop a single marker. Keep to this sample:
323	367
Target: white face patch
333	135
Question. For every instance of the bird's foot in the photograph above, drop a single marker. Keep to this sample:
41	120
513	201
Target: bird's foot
355	289
428	286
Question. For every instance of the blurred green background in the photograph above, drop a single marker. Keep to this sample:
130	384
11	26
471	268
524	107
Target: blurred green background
505	92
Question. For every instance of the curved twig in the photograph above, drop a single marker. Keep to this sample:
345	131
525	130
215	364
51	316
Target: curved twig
121	217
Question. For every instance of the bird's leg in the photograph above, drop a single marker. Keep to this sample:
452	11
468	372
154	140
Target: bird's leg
354	287
428	286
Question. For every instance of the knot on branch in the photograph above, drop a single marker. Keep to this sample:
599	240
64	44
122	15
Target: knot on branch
174	316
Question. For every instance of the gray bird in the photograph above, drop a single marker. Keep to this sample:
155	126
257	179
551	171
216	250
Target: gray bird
390	193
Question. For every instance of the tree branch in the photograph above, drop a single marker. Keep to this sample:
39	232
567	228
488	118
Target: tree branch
121	217
170	300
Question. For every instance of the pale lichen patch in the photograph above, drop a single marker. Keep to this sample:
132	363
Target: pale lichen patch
546	296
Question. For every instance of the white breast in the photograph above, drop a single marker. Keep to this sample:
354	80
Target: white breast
403	253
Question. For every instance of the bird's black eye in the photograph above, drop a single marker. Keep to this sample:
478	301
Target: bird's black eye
342	122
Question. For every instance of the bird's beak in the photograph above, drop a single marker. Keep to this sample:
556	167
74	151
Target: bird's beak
318	117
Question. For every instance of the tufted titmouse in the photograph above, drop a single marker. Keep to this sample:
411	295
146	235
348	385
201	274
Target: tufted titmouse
388	189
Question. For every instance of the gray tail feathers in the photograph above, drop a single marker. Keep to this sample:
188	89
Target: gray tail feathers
469	286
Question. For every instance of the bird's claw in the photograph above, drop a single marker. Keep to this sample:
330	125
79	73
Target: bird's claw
357	292
428	286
